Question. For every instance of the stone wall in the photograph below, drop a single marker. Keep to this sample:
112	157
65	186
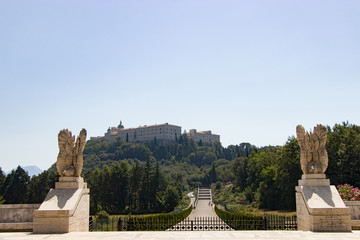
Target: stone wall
17	217
355	213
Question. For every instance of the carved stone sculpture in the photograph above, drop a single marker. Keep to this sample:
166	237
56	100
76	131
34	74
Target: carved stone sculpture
70	158
313	157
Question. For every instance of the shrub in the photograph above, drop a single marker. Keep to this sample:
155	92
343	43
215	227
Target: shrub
157	222
349	193
102	214
234	220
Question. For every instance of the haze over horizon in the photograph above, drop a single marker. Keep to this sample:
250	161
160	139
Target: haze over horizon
250	71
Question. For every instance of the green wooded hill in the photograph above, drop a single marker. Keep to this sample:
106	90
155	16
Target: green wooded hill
146	178
188	162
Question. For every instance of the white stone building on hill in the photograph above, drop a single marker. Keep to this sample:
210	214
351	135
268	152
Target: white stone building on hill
163	134
204	136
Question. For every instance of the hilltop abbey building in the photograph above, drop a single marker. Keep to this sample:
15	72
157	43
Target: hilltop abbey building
163	134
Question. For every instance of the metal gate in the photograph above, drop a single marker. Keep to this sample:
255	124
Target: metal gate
201	224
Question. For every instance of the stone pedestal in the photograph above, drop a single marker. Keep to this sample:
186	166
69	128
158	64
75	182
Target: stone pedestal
65	208
319	206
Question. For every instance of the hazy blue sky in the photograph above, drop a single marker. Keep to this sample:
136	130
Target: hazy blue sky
247	70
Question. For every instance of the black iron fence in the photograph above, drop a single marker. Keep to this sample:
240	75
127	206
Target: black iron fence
266	222
275	222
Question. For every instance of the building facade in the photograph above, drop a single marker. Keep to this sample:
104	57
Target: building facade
162	134
203	136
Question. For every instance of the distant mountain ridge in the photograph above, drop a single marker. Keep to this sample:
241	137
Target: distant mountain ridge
31	170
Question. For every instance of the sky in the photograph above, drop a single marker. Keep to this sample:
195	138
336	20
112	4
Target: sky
248	70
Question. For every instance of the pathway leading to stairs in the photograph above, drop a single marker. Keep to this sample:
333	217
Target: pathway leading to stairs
203	216
203	208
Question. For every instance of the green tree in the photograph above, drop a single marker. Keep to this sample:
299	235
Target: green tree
240	169
343	147
213	175
136	174
2	180
15	186
145	194
171	198
155	202
106	189
40	185
258	162
268	197
288	173
93	179
120	186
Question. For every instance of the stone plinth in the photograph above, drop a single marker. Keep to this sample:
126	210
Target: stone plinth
319	206
70	183
65	208
314	180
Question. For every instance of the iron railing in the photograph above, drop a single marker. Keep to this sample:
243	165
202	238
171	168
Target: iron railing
268	222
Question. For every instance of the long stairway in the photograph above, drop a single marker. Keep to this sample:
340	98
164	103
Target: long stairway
204	194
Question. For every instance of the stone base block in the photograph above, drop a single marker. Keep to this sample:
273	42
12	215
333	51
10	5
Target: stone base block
70	182
314	180
355	224
16	227
65	209
321	209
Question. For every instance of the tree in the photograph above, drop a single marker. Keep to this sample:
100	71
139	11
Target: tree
213	177
155	202
106	189
40	185
343	147
240	169
120	188
171	198
288	173
2	180
257	163
268	197
94	181
145	189
136	174
15	186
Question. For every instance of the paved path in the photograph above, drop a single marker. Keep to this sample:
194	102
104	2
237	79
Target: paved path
203	208
203	216
210	235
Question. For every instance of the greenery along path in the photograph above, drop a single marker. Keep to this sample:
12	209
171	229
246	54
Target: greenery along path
203	216
204	206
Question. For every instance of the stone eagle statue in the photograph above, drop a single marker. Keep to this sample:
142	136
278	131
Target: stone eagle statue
70	158
313	156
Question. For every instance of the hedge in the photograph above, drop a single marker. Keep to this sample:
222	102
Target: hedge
241	221
158	222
